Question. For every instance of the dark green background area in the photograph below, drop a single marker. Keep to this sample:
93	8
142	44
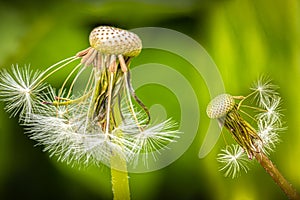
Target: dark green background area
244	38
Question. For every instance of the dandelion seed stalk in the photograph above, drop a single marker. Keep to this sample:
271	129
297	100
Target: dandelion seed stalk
99	124
255	142
279	179
119	178
118	166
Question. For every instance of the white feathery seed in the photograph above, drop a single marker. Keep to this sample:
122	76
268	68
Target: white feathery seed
264	89
233	160
19	90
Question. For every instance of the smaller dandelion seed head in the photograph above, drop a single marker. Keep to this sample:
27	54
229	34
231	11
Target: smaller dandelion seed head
220	106
250	140
115	41
233	161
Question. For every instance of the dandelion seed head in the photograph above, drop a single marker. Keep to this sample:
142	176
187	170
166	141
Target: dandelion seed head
260	135
91	126
115	41
220	106
233	161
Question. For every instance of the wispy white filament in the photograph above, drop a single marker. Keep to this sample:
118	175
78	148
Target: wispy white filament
268	130
233	161
19	92
60	121
272	107
265	90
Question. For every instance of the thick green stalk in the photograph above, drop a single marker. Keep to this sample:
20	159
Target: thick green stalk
119	173
119	178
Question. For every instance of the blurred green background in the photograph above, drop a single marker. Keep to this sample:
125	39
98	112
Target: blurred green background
245	39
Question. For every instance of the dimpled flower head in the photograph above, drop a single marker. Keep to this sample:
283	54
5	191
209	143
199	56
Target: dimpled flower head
220	106
110	40
254	138
102	119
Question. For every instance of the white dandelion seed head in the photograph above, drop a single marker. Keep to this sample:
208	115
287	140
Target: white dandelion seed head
19	90
86	128
233	161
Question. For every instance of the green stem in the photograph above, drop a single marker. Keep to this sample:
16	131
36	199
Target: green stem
271	169
119	178
118	166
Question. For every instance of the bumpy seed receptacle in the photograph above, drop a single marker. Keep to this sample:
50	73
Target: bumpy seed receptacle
220	106
115	41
